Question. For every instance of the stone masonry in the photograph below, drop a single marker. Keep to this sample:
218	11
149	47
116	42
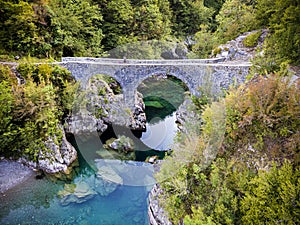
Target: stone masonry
131	73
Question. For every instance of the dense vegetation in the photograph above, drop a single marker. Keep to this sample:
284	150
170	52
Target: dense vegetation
55	28
243	167
33	111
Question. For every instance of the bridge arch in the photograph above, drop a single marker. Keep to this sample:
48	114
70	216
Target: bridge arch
133	76
194	73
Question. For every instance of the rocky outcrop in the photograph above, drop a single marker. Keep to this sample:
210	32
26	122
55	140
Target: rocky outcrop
55	159
121	144
235	50
100	107
58	158
138	118
187	117
84	124
156	214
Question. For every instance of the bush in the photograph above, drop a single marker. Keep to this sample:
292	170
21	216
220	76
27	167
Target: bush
252	39
264	116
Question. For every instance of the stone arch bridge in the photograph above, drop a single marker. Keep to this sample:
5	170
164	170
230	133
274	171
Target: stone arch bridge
131	73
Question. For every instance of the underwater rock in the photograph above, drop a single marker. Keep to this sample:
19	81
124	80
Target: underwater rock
12	174
76	193
107	180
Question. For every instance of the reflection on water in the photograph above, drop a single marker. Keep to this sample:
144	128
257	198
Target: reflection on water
160	134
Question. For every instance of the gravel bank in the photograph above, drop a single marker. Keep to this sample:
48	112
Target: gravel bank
13	173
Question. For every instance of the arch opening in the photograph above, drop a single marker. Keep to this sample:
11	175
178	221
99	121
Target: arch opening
162	95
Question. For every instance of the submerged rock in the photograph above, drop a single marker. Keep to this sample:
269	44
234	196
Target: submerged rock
107	180
76	193
13	173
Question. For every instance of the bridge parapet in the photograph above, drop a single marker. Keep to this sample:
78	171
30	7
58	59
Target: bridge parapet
143	61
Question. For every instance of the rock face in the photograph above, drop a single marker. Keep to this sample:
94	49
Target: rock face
100	107
58	158
186	115
235	50
121	144
156	214
138	117
76	193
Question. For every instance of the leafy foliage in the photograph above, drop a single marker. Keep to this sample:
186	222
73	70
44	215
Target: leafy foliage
189	15
75	28
252	177
282	18
251	39
234	18
32	112
265	115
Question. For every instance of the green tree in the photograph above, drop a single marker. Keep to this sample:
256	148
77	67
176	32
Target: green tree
31	113
188	15
75	27
272	197
18	30
282	18
234	18
117	23
149	22
206	41
216	5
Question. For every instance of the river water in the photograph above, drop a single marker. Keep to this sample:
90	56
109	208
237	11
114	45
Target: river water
36	201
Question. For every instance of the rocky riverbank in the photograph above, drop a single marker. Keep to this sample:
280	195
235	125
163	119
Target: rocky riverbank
156	214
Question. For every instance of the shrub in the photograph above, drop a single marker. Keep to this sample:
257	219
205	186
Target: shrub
264	116
252	39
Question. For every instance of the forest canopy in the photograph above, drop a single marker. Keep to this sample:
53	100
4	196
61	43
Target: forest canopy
55	28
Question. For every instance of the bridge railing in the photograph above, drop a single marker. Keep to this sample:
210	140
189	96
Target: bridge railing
143	61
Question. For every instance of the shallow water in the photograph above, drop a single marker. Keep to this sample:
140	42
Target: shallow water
36	201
